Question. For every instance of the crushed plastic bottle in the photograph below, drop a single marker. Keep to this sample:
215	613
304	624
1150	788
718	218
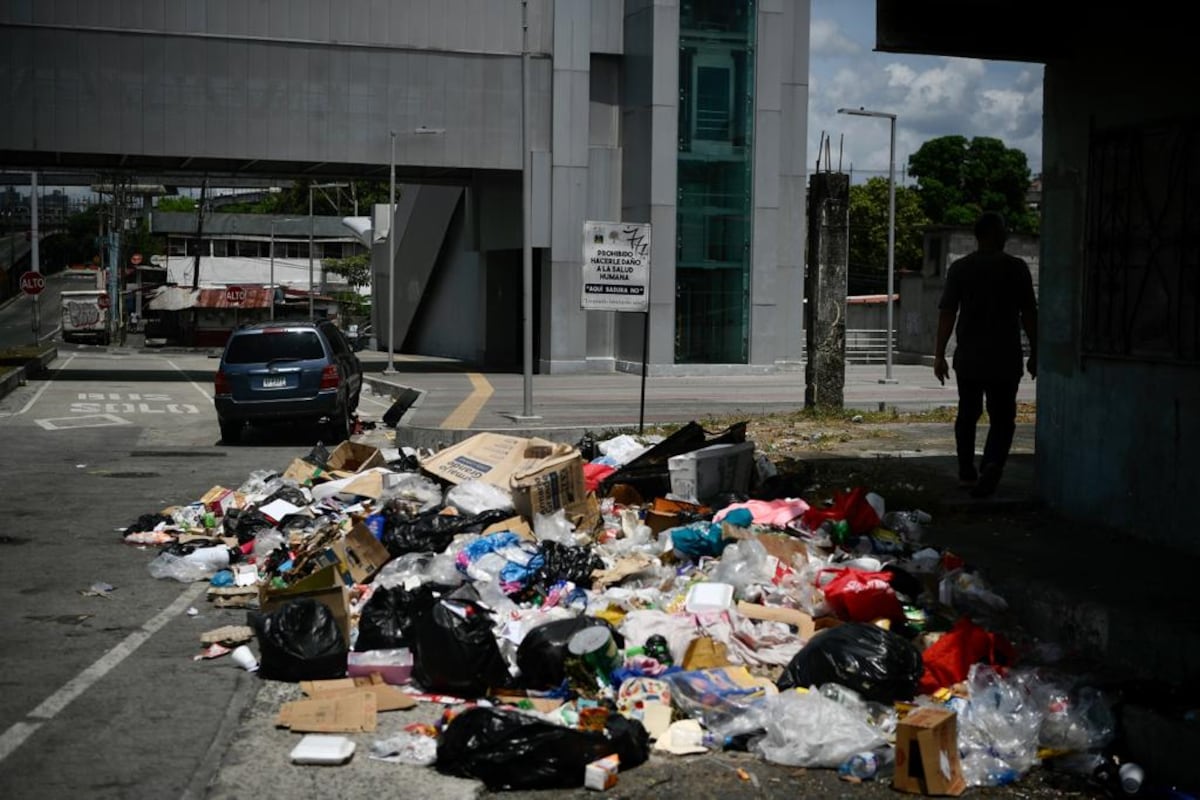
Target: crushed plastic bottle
870	764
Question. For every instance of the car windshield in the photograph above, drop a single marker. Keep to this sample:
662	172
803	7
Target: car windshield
257	348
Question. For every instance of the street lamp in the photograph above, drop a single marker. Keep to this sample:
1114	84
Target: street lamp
273	222
891	246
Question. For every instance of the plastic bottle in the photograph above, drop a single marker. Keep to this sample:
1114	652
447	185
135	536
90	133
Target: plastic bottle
1131	777
870	764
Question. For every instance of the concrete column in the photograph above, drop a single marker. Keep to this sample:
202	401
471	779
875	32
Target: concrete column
825	288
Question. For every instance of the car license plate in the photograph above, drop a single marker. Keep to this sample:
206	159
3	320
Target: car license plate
274	382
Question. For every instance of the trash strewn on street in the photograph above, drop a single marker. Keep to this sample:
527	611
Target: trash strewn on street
576	609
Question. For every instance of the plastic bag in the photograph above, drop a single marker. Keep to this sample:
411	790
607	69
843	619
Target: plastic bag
413	569
511	750
553	527
807	729
744	564
245	525
853	506
562	562
861	596
998	728
476	496
412	491
949	659
299	641
876	663
698	540
406	748
454	650
169	565
387	617
429	531
543	652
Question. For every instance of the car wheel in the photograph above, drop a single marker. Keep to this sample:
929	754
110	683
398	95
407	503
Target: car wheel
231	430
339	425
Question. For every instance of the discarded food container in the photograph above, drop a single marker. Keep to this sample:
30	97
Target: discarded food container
709	597
394	665
316	748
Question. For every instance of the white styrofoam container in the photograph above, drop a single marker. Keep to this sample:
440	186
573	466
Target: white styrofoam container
703	473
317	748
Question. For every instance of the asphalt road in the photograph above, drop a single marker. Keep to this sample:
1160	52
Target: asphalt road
100	697
16	316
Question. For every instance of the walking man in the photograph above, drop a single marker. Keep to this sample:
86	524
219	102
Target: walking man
990	295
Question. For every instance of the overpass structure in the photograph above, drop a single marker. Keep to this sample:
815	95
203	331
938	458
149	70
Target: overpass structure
679	114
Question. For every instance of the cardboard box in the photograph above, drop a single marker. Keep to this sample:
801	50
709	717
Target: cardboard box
219	500
927	754
387	698
542	476
601	774
304	473
325	586
351	712
349	458
357	556
701	474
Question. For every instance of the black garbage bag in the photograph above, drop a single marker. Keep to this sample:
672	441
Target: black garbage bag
291	494
245	524
511	750
387	618
454	651
542	654
564	562
876	663
299	641
429	531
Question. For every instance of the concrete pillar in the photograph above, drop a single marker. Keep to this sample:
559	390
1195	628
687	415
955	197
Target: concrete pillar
825	289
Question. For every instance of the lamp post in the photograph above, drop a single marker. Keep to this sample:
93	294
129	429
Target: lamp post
273	222
390	369
891	246
311	244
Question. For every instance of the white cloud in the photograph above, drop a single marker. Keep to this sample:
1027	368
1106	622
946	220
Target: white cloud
827	39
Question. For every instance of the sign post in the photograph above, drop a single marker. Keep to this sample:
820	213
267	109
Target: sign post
616	277
32	284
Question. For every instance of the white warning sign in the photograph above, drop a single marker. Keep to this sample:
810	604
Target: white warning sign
616	266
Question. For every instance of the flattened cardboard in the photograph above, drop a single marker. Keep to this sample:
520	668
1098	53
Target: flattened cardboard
490	457
325	586
351	712
304	473
927	754
800	620
514	524
357	556
387	698
349	458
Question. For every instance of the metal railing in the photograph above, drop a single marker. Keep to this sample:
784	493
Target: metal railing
867	346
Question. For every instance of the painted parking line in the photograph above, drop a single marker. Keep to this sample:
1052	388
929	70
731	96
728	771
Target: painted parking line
468	409
53	705
195	385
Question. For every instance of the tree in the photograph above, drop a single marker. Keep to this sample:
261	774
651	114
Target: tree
176	203
869	234
958	179
357	272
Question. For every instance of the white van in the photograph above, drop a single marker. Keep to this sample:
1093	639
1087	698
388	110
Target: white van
85	316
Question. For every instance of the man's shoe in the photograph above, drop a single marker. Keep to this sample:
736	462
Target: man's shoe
967	480
989	479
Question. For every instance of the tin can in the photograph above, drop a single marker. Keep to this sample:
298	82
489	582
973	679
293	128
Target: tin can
596	648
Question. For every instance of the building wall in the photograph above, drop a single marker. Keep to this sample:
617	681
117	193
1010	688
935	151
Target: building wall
1117	437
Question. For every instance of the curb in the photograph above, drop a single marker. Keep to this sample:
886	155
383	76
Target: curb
31	368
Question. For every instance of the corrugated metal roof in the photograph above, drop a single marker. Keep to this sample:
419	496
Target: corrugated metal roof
178	298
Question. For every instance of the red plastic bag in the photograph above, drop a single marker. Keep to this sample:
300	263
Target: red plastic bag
949	659
859	596
851	506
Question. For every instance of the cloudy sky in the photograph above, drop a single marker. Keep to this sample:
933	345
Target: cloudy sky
930	96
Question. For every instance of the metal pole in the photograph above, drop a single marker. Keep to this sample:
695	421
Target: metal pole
272	270
527	223
311	314
891	265
35	264
391	246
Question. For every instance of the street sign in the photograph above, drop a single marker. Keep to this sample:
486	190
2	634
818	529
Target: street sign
235	295
103	301
616	266
135	259
32	282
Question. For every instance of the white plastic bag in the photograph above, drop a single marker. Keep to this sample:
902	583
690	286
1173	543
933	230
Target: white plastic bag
476	496
807	729
168	565
554	527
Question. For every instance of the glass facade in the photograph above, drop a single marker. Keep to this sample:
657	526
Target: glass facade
716	128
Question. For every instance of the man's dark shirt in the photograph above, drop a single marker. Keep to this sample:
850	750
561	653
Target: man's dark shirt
989	290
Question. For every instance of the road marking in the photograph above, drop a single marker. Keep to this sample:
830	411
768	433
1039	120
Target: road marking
49	708
197	386
87	421
46	385
468	409
50	334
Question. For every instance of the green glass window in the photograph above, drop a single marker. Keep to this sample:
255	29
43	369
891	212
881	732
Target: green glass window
716	121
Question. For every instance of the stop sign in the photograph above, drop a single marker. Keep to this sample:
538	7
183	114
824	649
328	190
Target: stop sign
103	301
235	295
32	282
135	259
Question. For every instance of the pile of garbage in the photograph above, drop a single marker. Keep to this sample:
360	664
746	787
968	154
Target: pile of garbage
577	608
